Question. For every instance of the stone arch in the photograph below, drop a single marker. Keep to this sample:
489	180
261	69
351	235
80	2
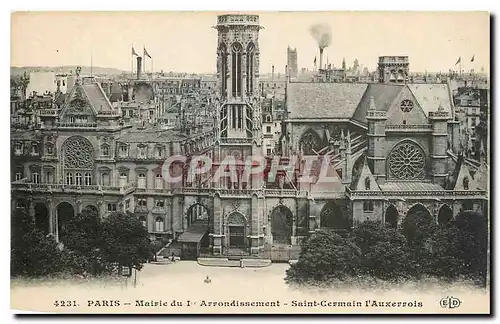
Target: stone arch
65	212
406	161
237	231
391	216
309	142
331	217
42	221
282	224
419	212
445	215
198	213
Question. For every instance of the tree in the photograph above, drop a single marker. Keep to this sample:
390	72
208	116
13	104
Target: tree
125	241
83	242
470	244
384	251
32	252
325	256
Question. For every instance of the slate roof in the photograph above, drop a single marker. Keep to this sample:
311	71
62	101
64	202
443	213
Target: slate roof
431	96
383	95
323	100
97	97
150	135
193	234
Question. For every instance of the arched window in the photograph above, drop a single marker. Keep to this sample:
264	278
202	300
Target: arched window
466	183
158	181
50	148
310	142
78	179
123	179
236	50
141	180
88	179
250	67
35	177
34	149
367	183
223	68
143	221
69	178
105	179
159	225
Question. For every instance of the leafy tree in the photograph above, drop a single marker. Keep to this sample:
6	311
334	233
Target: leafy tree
384	250
470	244
32	252
125	241
325	256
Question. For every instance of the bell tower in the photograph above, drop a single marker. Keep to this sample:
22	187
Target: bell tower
238	73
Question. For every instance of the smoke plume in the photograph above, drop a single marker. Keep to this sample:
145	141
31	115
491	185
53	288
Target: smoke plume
322	34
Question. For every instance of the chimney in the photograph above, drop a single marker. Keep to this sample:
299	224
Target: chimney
320	58
139	67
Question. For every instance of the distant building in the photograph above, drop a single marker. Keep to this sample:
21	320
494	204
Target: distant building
41	83
291	55
393	69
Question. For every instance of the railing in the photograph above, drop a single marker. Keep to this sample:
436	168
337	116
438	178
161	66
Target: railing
235	192
54	187
438	114
408	127
47	112
108	113
281	192
426	193
76	125
236	141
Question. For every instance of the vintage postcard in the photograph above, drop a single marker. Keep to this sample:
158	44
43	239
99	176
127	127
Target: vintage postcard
250	162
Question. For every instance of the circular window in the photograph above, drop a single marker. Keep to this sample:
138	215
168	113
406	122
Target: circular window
407	161
406	105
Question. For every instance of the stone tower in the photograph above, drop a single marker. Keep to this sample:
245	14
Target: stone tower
439	120
376	141
239	134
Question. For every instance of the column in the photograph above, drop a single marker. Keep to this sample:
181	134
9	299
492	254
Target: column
255	225
312	216
31	209
51	212
217	235
177	214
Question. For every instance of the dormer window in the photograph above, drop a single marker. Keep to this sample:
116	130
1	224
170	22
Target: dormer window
367	183
18	150
34	149
123	150
466	183
142	151
159	151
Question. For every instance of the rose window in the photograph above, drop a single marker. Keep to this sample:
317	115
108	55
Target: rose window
78	154
407	161
406	105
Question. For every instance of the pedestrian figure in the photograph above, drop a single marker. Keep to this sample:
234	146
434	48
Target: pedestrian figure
173	257
208	280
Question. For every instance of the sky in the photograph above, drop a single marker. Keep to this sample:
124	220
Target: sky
185	41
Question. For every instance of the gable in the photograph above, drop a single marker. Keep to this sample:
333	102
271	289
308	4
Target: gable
77	105
464	173
362	179
405	109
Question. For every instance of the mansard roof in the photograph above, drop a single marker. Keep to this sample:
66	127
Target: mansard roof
323	100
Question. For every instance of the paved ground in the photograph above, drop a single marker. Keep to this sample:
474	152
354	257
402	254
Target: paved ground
183	281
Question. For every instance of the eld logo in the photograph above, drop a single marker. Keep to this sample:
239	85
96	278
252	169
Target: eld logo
450	302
